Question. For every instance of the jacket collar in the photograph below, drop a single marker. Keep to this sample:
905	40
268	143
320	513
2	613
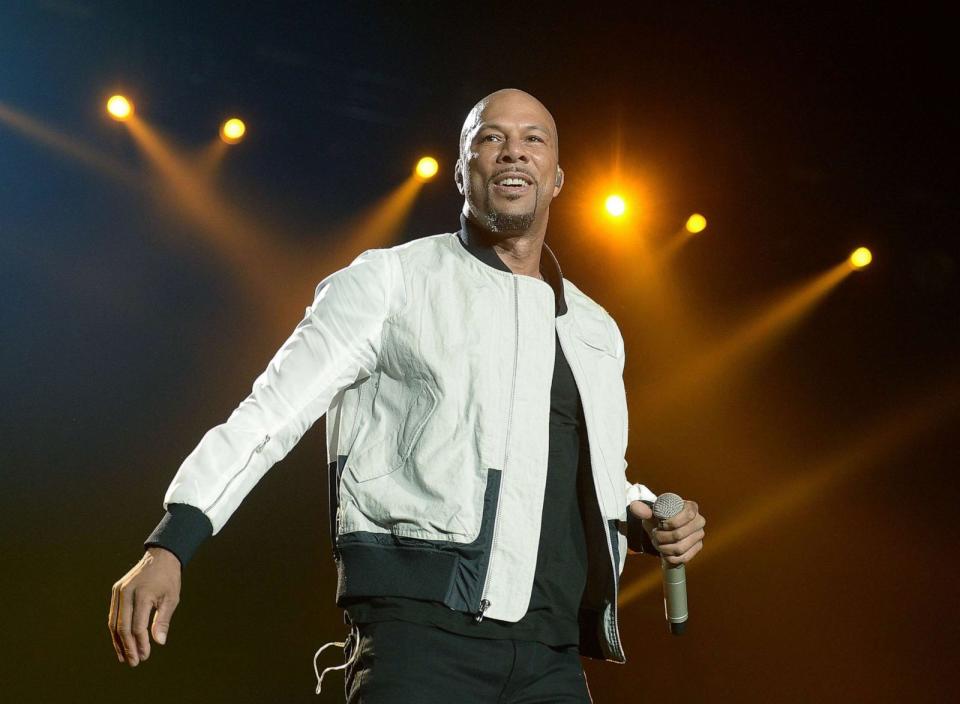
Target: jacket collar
479	243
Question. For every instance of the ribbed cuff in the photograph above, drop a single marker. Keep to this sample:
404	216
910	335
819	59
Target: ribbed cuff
181	531
637	538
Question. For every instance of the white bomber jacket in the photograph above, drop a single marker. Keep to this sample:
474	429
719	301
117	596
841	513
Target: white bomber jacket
433	363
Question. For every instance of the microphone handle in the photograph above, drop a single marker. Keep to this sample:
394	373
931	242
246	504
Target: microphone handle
675	596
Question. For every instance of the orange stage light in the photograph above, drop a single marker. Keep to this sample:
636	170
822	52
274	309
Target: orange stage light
427	168
233	130
120	108
615	205
860	258
696	223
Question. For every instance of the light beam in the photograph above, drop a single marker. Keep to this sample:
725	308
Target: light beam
68	146
753	336
884	438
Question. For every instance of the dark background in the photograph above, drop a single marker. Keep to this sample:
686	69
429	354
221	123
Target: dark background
800	133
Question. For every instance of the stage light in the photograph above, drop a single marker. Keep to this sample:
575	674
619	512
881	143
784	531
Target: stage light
232	130
427	168
615	206
860	258
119	108
696	223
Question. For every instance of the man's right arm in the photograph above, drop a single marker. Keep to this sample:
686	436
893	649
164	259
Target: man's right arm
336	344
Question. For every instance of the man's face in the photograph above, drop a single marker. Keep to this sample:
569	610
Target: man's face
508	163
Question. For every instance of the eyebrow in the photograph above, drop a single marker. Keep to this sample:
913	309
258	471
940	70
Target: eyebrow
495	126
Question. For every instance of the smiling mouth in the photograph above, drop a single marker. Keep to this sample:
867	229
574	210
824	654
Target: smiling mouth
512	185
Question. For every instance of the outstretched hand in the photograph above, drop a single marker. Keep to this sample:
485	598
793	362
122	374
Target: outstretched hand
679	538
153	583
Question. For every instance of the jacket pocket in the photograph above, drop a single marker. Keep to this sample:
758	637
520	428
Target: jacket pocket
595	334
373	457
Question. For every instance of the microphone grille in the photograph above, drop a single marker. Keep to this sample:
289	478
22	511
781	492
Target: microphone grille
667	506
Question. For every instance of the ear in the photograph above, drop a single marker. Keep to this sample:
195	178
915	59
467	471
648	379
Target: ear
558	182
458	174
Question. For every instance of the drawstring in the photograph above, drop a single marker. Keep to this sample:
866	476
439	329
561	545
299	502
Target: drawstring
353	635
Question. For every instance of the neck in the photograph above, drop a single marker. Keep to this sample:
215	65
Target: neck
520	251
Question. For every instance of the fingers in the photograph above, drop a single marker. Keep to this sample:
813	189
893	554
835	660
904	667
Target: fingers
680	552
112	621
124	627
640	510
689	512
679	538
161	620
665	535
143	604
685	557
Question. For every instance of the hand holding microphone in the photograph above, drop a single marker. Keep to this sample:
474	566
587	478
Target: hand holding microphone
676	529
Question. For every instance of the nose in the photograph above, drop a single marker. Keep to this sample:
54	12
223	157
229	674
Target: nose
513	151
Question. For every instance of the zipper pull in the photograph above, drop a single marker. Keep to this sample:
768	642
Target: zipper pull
484	605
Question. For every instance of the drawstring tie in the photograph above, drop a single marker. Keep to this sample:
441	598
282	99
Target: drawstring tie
352	636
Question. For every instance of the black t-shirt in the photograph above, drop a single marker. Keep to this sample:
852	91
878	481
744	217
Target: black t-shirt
561	571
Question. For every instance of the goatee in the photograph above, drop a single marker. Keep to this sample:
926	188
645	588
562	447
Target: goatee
506	222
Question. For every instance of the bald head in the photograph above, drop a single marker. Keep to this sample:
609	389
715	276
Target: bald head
511	99
508	170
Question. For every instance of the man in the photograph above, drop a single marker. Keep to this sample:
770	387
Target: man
476	432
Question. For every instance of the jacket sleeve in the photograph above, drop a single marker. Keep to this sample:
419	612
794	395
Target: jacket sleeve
637	539
336	344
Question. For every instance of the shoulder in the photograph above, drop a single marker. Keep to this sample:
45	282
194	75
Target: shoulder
419	247
426	246
406	256
420	253
399	265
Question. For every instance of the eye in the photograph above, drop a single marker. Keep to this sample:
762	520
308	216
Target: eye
490	137
535	138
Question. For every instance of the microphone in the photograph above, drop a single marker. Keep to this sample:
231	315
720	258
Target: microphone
674	576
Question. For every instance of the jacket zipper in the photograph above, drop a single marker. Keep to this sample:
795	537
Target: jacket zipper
257	450
484	601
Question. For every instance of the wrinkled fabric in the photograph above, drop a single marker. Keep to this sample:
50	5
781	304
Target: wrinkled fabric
433	368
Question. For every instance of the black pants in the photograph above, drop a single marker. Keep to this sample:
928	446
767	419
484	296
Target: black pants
399	662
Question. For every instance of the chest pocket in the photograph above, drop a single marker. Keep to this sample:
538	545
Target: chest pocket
595	333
